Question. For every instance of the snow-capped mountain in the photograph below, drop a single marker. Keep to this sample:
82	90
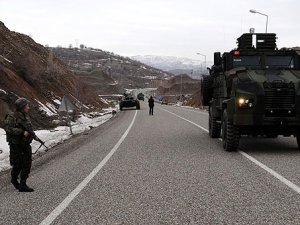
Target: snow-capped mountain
175	65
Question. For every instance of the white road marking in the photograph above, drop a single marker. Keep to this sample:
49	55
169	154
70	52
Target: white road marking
64	204
186	120
192	110
252	159
272	172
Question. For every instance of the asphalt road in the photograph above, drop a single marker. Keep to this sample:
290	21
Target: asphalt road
161	169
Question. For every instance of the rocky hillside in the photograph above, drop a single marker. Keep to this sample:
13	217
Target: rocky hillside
107	72
194	100
29	70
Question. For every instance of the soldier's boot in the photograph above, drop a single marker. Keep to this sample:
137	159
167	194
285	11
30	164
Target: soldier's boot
15	182
24	187
14	176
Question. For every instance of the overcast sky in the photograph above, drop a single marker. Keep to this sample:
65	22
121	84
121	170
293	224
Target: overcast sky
151	27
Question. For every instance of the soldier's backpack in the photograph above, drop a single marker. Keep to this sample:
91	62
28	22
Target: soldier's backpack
9	120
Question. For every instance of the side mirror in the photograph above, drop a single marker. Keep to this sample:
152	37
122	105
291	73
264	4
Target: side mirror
209	70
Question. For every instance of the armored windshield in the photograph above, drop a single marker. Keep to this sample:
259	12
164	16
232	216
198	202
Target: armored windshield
250	62
264	61
284	62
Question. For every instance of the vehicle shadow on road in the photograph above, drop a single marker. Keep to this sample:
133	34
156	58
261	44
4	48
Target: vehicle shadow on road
130	109
280	145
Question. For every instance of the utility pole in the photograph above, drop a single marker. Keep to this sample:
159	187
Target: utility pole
181	88
204	60
267	17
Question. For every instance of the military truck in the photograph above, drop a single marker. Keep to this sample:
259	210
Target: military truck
253	90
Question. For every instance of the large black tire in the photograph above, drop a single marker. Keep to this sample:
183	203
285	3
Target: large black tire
138	107
230	134
272	136
298	140
214	126
121	108
206	89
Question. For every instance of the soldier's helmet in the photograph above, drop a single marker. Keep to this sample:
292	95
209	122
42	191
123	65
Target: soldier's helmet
21	103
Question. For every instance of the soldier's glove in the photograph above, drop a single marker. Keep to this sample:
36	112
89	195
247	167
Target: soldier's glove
36	138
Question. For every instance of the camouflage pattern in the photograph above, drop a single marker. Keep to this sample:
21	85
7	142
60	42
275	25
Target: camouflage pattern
253	91
15	125
20	149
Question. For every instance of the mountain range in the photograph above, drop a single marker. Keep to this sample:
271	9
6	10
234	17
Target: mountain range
175	65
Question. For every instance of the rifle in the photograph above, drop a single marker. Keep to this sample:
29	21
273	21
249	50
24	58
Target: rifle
42	144
32	136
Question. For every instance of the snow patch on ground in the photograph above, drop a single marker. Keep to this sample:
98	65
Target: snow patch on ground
57	101
85	106
5	59
54	137
113	95
1	90
51	107
113	84
104	101
48	108
4	156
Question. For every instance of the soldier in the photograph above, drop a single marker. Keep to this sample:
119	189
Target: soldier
20	134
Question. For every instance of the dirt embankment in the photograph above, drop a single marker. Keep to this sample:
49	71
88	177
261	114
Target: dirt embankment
27	69
173	86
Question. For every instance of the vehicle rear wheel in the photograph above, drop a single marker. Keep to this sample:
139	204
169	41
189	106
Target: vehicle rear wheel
138	107
214	126
230	134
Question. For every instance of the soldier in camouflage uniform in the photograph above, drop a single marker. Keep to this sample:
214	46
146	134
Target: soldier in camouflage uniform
19	136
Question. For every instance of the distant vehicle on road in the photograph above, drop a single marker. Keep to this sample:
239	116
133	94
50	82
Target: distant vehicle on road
253	90
141	96
164	101
129	101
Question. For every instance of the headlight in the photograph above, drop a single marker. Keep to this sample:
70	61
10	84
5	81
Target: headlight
245	102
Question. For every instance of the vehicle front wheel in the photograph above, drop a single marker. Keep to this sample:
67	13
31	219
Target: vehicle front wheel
230	134
272	136
214	126
298	140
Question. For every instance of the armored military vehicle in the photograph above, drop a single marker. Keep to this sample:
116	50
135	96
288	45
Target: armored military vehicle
129	101
253	90
141	96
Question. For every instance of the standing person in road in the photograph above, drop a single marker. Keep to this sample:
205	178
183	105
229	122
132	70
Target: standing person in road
19	133
151	105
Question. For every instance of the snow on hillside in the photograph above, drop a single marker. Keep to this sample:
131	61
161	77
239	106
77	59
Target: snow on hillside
49	109
175	65
57	135
5	59
168	63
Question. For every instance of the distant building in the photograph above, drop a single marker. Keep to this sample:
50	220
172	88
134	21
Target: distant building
156	83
